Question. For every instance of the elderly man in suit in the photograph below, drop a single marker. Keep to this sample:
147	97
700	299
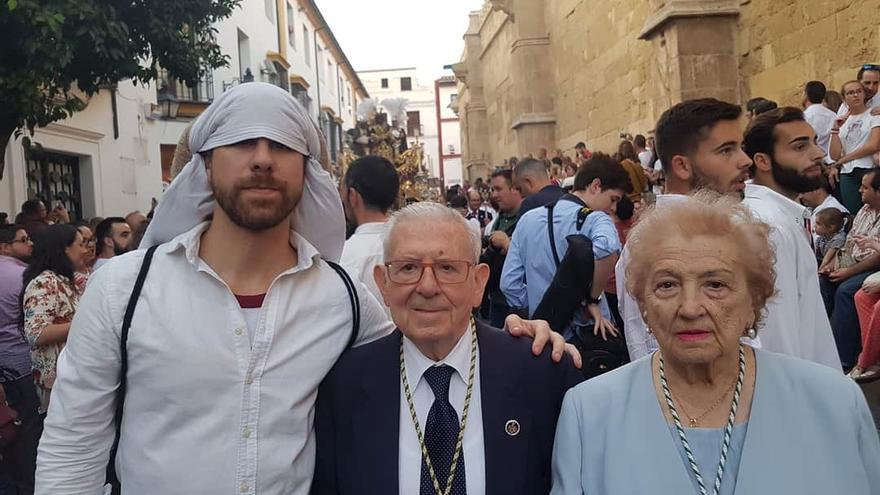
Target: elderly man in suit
444	399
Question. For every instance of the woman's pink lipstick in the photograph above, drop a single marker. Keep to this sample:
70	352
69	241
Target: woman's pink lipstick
693	335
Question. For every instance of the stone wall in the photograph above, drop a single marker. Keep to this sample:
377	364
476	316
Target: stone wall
613	66
784	43
604	75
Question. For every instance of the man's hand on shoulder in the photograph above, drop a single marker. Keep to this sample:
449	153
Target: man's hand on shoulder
540	331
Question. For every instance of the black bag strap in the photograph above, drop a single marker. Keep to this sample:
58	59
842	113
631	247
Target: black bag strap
582	215
353	299
123	350
550	232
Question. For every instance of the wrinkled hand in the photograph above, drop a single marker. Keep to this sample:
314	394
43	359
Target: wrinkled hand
500	240
601	325
840	275
540	331
826	269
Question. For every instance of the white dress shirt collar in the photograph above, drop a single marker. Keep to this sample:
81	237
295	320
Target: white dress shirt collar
191	240
459	359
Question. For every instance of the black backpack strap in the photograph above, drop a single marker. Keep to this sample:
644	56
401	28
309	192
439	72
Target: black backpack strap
550	232
353	299
123	350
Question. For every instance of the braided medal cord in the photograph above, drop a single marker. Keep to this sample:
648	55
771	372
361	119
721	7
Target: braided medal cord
725	446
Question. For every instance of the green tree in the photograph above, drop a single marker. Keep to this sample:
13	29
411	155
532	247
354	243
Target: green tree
50	48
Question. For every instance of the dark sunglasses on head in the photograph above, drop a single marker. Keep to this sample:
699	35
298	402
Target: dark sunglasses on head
875	67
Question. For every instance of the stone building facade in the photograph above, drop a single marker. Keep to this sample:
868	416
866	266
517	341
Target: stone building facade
554	72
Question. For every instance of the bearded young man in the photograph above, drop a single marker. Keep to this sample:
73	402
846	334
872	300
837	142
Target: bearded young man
788	162
238	322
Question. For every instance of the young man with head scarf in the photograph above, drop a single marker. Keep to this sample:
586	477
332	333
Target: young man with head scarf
239	320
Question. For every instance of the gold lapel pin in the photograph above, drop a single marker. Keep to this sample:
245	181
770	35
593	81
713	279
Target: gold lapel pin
512	427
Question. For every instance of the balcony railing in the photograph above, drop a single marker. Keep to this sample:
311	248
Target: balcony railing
202	92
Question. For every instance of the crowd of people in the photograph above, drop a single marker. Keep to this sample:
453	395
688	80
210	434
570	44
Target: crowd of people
713	285
45	263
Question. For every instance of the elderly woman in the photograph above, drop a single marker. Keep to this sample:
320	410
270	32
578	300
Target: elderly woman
707	414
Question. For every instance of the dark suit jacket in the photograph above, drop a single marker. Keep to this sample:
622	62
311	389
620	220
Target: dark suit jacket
358	416
545	196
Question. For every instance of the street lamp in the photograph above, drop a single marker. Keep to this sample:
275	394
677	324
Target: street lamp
168	104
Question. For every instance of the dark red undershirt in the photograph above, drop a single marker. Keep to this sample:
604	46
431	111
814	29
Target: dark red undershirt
250	302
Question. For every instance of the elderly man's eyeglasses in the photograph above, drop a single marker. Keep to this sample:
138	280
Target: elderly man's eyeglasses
445	271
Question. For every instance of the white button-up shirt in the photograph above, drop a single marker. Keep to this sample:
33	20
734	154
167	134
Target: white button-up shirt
410	463
206	411
821	119
796	323
363	251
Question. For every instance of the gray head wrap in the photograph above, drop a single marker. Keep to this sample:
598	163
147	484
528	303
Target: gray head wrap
252	111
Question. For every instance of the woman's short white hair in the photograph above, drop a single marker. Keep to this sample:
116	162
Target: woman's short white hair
427	212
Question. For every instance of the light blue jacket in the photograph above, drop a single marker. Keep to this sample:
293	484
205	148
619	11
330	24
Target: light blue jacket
810	432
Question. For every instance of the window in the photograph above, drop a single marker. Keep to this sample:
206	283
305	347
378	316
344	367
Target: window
406	84
270	9
302	96
55	178
413	123
244	53
330	76
307	47
384	83
320	57
291	26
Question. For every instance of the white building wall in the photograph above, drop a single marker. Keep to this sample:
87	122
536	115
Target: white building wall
320	69
420	99
117	175
452	169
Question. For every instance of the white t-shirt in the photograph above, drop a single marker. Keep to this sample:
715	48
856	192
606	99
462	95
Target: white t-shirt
821	118
645	159
853	135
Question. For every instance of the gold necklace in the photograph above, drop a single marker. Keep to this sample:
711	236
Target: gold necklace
464	415
692	421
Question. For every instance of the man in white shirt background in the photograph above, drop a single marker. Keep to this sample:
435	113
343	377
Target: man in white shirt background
112	238
440	374
788	162
645	155
820	117
215	403
369	189
869	76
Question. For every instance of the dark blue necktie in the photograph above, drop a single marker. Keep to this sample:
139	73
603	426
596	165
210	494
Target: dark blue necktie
441	435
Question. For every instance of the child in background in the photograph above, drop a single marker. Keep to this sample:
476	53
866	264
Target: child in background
830	236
